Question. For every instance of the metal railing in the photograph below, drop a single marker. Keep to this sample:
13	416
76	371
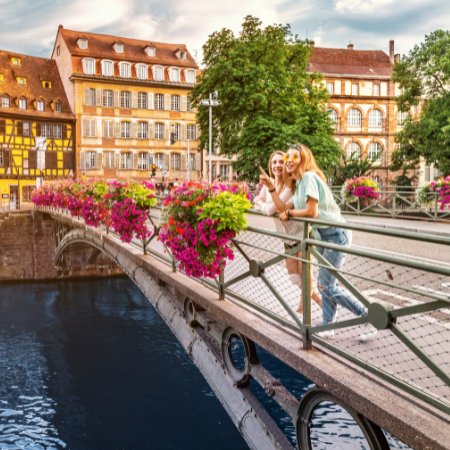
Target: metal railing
395	202
408	300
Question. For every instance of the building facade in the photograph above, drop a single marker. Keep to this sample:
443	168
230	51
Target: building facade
130	97
33	105
362	103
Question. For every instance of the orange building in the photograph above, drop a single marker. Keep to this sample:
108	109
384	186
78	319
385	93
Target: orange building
129	97
33	107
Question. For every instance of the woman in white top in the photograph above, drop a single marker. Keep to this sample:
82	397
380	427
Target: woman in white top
285	187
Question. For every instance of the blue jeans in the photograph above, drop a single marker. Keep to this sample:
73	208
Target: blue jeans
332	294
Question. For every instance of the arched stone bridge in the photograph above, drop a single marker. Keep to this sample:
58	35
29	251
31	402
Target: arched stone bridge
209	328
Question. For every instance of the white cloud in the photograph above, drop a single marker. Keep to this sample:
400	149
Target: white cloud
362	7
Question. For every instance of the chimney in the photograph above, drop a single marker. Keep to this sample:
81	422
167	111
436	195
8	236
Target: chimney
350	46
397	57
311	43
391	51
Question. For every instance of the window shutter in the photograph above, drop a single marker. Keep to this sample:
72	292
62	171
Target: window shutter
134	127
117	129
110	124
135	161
150	131
87	97
93	124
183	103
117	158
183	131
150	101
85	127
183	161
6	156
64	132
66	160
166	160
116	99
99	160
98	97
198	161
167	102
135	100
32	159
19	128
83	62
48	160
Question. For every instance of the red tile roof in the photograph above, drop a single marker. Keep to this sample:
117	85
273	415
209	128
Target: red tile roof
350	62
34	70
101	46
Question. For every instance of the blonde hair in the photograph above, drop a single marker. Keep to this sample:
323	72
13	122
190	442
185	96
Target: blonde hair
287	181
307	163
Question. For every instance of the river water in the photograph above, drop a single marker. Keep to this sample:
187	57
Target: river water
90	365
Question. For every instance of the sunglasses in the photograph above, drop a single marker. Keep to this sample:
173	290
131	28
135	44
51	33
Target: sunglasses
294	157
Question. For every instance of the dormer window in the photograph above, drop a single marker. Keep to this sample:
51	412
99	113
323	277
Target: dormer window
190	76
16	61
158	73
118	47
83	44
175	74
22	103
58	107
5	102
108	68
181	54
40	105
47	84
151	51
141	71
125	70
88	66
21	81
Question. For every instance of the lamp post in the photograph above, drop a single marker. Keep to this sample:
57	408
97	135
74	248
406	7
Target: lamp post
211	103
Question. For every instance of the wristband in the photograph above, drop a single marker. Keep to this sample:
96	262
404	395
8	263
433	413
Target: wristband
271	190
288	214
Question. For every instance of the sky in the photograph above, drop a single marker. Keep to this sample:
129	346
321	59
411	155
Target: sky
30	26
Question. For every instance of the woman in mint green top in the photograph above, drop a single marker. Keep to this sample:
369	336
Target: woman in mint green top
314	199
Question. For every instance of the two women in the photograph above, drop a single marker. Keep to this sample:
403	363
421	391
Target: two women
313	198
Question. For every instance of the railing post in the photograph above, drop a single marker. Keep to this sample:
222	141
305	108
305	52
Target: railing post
306	289
359	208
221	283
393	204
435	207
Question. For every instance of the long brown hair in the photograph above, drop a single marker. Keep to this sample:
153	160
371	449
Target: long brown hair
289	182
307	163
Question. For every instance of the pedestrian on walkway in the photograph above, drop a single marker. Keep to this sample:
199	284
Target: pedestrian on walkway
284	186
314	199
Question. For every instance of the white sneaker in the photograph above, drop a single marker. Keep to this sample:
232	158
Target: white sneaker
326	334
368	332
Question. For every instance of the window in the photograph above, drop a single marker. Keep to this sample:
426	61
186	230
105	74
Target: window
57	131
175	161
376	90
401	116
374	152
21	82
58	107
353	151
159	160
16	62
175	103
159	101
427	173
190	76
88	65
141	71
223	172
108	68
125	70
47	85
332	114
108	98
143	130
182	56
175	129
45	130
82	43
108	129
58	51
354	118
174	74
188	104
119	48
109	160
40	105
5	102
125	130
330	88
158	74
125	99
355	89
143	161
126	161
191	132
159	131
151	51
26	129
89	127
91	159
375	118
89	97
22	104
142	100
192	165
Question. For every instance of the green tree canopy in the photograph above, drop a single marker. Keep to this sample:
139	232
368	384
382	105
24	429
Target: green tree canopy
349	168
425	73
268	98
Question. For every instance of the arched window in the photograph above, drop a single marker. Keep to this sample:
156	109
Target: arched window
354	118
159	131
108	98
332	114
353	151
374	151
175	129
159	101
175	103
401	116
125	99
375	118
191	132
126	161
142	100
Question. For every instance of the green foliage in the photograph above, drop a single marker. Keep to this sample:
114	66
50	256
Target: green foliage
351	168
425	73
229	209
268	98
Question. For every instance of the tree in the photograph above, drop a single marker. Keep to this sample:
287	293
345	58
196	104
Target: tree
350	168
268	98
425	73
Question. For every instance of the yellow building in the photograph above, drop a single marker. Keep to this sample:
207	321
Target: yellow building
129	97
33	107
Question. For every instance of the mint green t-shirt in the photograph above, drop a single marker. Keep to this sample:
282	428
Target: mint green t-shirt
311	185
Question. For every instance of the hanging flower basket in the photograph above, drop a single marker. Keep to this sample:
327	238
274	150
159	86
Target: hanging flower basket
430	192
362	188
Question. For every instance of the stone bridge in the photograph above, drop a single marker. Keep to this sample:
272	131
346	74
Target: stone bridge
210	329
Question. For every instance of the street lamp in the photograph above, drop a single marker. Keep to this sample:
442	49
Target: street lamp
211	103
